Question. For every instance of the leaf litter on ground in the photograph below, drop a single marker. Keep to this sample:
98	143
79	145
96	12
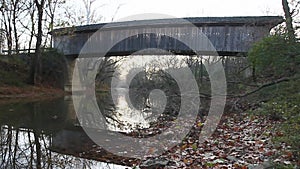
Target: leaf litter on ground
240	141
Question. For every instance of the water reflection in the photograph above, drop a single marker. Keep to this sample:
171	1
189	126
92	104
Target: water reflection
130	116
26	148
46	134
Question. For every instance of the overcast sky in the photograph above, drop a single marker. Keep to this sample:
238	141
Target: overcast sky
187	8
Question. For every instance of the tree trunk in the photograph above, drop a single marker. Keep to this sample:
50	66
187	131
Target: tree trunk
36	63
9	39
14	22
8	32
288	20
6	19
32	29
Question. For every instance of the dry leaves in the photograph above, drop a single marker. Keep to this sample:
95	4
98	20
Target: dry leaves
239	142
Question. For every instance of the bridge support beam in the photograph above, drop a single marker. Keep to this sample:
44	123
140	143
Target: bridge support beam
71	61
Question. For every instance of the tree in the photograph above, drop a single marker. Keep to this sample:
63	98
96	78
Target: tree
6	19
274	57
90	13
51	7
288	20
2	31
30	27
36	63
12	12
88	7
16	10
77	16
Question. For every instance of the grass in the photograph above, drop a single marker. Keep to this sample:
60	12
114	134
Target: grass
13	72
283	105
11	79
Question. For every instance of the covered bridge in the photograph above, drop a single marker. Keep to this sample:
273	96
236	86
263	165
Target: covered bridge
230	36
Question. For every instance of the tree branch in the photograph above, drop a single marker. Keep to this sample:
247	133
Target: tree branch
285	79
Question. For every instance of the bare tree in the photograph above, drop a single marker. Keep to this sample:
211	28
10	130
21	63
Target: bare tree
31	22
2	31
76	17
90	12
117	10
88	7
36	63
51	7
16	9
12	12
288	13
6	19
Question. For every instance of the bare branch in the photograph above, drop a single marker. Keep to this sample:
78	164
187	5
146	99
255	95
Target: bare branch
117	10
285	79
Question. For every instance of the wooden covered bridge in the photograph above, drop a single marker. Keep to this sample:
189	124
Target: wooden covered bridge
230	36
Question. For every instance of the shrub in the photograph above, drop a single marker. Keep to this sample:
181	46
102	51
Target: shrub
275	56
53	68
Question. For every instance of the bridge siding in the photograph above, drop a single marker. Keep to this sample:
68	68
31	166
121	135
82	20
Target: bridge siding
236	39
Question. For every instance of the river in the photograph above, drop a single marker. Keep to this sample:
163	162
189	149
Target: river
47	134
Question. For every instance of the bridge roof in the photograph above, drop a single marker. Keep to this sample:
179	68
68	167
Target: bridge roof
270	21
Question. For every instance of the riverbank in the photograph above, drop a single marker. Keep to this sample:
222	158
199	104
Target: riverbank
14	87
12	94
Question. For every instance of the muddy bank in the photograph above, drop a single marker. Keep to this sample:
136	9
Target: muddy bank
11	94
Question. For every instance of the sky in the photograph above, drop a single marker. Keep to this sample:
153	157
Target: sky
186	8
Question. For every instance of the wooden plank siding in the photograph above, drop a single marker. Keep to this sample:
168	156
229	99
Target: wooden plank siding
228	35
